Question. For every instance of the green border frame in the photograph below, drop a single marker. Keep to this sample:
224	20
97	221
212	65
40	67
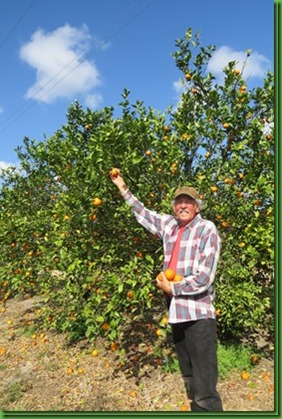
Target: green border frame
277	405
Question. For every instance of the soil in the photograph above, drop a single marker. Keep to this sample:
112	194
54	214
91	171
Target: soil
47	373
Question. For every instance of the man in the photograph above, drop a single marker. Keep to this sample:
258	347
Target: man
191	249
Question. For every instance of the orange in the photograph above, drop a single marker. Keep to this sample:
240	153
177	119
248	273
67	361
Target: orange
130	294
158	332
160	278
70	370
114	172
133	393
177	278
213	188
225	224
105	326
169	274
245	375
97	202
114	346
236	71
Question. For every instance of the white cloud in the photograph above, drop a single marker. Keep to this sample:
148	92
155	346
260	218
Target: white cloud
257	64
59	60
93	100
4	165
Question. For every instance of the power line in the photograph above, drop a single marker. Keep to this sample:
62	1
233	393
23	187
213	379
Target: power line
58	73
16	24
67	65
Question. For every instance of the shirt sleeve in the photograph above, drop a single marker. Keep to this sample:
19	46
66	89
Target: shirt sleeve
195	284
150	220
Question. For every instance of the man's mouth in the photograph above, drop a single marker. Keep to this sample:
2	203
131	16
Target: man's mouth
183	210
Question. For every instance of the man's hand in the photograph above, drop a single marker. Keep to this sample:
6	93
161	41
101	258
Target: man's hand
163	283
117	179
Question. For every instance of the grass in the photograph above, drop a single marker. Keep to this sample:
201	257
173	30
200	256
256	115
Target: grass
13	392
233	357
230	357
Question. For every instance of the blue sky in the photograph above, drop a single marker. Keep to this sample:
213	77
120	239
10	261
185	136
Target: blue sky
53	52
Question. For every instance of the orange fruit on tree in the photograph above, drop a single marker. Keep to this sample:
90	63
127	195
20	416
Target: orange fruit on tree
164	321
236	71
114	172
159	332
114	346
105	326
130	295
225	224
97	202
213	188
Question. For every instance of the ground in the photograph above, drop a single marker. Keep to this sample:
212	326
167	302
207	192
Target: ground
45	373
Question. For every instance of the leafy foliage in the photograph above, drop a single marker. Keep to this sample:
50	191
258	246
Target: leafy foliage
93	263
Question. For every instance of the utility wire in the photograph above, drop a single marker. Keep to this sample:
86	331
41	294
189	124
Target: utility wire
60	80
16	24
60	71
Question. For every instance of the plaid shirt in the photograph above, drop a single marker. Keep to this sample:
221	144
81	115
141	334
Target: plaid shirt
192	298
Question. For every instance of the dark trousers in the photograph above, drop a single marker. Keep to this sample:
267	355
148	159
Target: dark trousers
195	344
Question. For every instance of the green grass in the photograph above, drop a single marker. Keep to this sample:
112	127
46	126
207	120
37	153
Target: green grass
233	357
230	357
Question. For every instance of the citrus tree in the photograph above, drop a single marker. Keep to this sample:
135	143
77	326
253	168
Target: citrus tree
67	235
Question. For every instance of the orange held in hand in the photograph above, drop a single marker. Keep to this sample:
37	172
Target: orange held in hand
177	278
169	274
114	172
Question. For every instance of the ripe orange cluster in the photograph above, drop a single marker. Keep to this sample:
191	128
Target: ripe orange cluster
170	276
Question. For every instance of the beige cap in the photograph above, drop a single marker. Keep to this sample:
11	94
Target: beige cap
186	190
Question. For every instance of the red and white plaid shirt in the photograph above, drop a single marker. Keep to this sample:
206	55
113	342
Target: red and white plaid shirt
197	260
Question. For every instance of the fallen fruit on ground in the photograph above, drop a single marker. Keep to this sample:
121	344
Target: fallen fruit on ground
245	375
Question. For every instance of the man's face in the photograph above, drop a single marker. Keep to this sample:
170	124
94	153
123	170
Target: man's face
185	208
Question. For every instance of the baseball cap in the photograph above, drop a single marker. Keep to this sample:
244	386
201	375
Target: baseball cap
186	190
